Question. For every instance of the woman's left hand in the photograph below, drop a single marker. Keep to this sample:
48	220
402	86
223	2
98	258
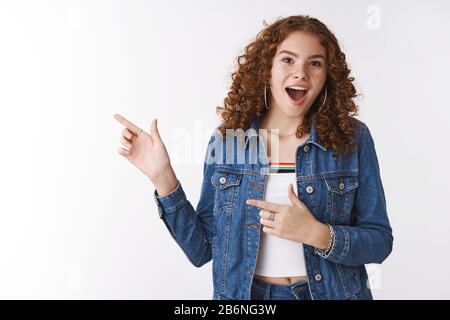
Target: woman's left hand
295	223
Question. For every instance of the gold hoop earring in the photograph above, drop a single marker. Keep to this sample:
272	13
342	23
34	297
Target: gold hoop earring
325	99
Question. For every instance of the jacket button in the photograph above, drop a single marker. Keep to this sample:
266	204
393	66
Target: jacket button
222	180
318	277
341	186
309	189
306	148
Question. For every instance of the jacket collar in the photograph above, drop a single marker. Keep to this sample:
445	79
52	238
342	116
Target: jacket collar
254	128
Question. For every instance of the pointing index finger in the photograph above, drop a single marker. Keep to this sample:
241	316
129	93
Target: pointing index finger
131	126
264	205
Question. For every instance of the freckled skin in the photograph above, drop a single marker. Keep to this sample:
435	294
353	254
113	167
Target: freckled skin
288	69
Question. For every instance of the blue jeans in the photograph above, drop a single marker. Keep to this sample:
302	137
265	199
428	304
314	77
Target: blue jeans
262	290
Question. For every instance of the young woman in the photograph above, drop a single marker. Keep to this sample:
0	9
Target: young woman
295	207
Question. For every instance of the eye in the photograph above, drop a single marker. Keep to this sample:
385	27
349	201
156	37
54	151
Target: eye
316	63
284	59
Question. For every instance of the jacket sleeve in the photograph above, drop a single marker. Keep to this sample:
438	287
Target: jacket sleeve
192	229
369	237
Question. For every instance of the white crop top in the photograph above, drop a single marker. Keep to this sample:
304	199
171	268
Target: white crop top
279	257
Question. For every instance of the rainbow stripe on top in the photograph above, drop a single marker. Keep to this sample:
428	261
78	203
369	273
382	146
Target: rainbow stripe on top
281	167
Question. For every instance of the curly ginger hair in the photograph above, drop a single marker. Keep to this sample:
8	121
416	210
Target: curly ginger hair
245	100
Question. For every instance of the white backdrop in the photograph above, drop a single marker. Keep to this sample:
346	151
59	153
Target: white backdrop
79	221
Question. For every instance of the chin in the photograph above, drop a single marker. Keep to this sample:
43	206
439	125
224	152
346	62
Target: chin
295	110
289	111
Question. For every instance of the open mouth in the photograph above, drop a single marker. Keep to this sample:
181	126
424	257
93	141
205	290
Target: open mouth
296	94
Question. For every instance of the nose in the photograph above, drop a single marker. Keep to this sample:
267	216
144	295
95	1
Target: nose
300	74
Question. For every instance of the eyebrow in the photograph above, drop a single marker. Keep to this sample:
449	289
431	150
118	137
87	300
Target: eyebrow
295	55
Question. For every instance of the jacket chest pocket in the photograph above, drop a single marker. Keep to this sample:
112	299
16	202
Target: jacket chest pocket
340	194
226	186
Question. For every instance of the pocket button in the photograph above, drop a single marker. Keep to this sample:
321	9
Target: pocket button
222	180
341	186
309	189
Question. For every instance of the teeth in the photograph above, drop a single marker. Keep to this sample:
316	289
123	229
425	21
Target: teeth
297	88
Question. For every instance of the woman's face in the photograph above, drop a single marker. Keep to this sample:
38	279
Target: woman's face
300	61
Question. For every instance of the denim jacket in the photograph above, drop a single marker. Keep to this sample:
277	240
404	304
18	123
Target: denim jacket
344	191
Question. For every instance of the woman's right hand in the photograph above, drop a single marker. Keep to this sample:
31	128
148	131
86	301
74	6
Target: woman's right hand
148	153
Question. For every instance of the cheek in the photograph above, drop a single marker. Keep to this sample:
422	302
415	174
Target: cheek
275	77
318	79
278	80
318	73
321	74
279	71
276	83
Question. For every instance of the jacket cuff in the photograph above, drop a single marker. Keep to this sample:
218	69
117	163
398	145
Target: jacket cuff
341	244
172	202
